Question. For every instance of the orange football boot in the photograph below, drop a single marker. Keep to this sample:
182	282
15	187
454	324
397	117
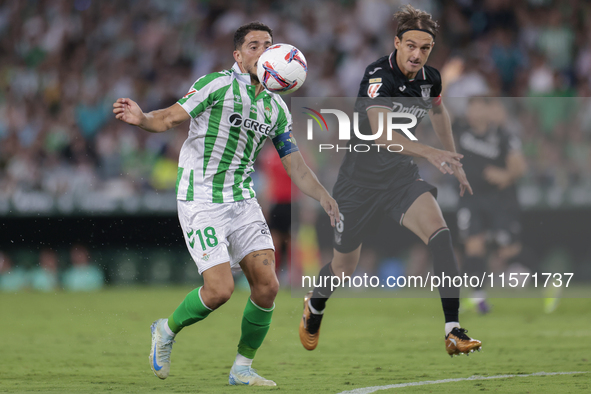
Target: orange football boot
457	342
309	326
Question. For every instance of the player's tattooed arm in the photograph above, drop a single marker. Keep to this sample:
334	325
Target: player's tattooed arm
302	176
305	179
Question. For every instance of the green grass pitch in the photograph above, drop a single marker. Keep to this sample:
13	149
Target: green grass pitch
99	342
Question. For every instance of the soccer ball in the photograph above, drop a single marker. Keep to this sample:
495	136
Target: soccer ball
282	69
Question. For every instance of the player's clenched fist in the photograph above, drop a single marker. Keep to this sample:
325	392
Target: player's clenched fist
128	111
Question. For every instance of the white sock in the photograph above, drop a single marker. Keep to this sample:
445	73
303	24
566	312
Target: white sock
241	360
450	326
314	311
167	329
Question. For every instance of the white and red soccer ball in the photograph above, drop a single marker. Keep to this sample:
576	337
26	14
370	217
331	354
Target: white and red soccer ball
282	68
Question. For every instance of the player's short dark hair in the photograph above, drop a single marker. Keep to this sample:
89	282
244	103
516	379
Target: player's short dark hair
410	18
247	28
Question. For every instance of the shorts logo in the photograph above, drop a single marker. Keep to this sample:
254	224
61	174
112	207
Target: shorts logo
338	229
205	257
191	241
265	229
372	90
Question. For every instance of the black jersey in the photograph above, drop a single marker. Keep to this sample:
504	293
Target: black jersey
480	151
384	85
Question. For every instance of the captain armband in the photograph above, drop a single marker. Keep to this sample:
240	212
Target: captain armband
285	144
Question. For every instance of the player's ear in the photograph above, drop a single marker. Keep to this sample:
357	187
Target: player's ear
237	56
396	42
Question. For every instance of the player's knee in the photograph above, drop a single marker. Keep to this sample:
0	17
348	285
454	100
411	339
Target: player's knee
266	291
343	269
219	296
433	225
345	263
271	288
221	299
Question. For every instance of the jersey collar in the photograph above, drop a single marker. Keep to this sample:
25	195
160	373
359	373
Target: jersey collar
245	78
392	59
242	77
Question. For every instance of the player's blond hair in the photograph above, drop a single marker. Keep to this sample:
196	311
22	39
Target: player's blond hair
410	18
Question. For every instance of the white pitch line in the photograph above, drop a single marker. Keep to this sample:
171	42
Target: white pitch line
368	390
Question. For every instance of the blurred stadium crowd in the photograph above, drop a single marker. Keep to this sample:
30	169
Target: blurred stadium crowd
45	272
65	61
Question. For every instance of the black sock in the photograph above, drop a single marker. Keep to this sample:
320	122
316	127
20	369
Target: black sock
444	263
322	293
475	266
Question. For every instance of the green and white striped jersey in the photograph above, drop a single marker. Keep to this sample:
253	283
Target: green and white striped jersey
228	129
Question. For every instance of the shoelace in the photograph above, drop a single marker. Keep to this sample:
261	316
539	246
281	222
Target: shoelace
165	349
250	372
460	333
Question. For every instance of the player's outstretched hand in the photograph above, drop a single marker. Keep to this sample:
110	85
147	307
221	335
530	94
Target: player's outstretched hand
128	111
461	177
332	208
444	160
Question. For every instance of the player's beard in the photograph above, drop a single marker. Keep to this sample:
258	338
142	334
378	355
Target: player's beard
253	76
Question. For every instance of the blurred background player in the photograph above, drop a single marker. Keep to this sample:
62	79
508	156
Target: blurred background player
45	277
278	211
83	274
371	186
494	162
220	217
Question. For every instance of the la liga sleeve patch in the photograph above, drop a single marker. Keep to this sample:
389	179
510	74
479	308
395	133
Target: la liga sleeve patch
372	89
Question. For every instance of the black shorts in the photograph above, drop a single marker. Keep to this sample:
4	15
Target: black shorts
495	215
280	218
363	209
